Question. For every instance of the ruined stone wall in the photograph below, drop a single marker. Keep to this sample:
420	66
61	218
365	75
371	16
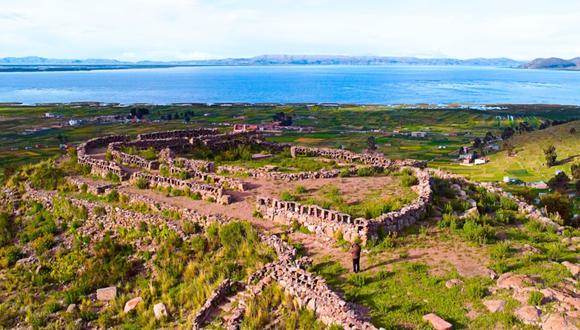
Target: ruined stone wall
217	296
407	216
92	187
177	144
102	167
99	142
376	159
98	223
523	207
313	293
288	177
319	220
186	133
135	160
206	191
326	222
218	180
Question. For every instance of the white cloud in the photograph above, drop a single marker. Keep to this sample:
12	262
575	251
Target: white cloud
198	29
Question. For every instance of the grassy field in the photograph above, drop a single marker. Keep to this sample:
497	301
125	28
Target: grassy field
26	135
529	162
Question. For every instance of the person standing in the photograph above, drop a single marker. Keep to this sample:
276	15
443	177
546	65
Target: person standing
355	252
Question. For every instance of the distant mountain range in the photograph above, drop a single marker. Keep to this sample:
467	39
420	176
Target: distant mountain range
40	63
554	63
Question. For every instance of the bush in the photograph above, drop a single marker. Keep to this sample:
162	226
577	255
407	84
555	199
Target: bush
8	256
141	183
113	196
409	180
477	233
43	244
535	298
287	196
500	251
344	173
365	171
190	227
301	190
476	290
6	229
46	176
560	204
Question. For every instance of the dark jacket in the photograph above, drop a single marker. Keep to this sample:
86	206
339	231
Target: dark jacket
355	251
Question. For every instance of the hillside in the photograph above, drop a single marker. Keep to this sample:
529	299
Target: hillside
528	164
553	63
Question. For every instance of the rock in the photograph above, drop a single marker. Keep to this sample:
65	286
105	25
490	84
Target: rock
471	213
529	315
437	323
573	268
513	281
558	321
523	294
71	308
494	305
160	311
453	283
106	294
491	273
132	304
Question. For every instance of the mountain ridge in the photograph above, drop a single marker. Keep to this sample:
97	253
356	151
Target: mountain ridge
553	63
269	60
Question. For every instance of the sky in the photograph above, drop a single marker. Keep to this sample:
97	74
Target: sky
202	29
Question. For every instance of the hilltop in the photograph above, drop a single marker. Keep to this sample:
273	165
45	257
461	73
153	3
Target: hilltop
554	63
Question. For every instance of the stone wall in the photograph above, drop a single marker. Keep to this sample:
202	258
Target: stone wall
317	219
135	160
92	187
178	144
375	159
409	214
217	296
102	167
326	222
207	192
187	133
99	142
288	177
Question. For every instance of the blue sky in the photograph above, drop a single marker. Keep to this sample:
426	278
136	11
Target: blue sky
199	29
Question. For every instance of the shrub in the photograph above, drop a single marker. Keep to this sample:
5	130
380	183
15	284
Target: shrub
558	203
113	196
46	176
141	183
301	190
196	195
43	243
409	180
500	251
287	196
344	173
6	229
535	298
555	251
477	233
8	256
476	290
190	227
365	171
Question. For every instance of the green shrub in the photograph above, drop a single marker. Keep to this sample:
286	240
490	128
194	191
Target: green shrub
409	180
113	196
46	176
500	251
555	251
142	183
190	227
365	171
301	190
477	233
535	298
8	256
43	244
196	195
287	196
344	173
476	290
6	229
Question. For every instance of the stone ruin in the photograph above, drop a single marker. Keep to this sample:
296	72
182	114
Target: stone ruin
327	222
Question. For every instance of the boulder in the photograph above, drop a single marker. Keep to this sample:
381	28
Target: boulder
437	323
573	268
513	281
557	321
529	315
453	283
160	311
132	304
106	294
494	305
71	308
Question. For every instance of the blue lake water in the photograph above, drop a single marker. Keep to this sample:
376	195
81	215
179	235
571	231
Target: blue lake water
337	84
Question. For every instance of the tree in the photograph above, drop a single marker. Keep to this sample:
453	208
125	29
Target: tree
477	143
551	156
489	137
371	144
507	133
283	118
558	203
559	181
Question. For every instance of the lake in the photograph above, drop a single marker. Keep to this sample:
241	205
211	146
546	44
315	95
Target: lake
393	84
